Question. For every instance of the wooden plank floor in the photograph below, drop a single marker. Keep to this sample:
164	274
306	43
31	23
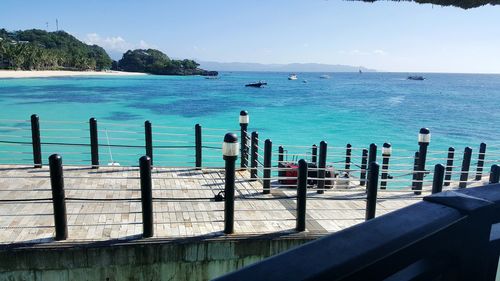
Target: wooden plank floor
102	204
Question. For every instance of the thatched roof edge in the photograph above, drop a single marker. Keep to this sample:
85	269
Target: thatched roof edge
464	4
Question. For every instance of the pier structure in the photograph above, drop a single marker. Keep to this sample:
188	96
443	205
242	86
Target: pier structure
201	191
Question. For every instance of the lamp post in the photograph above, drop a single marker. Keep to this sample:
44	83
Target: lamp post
230	149
424	138
386	154
244	119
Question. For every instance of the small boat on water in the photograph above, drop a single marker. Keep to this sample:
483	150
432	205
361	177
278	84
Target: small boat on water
257	84
416	77
292	76
325	76
111	161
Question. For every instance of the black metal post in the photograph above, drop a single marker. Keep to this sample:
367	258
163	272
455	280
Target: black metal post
480	161
437	181
314	154
268	147
386	155
230	154
94	143
495	174
323	146
415	169
281	158
254	163
244	138
372	157
372	154
301	196
36	142
348	153
464	174
449	166
424	138
146	196
371	193
198	148
363	168
148	136
58	196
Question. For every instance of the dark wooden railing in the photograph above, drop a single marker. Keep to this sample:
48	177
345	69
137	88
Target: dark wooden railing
451	235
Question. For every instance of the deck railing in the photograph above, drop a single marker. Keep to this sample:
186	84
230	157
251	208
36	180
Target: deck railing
349	169
230	155
101	144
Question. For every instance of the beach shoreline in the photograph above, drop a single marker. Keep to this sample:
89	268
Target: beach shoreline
61	73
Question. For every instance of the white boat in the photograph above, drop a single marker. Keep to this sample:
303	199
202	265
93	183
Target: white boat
325	76
111	161
292	76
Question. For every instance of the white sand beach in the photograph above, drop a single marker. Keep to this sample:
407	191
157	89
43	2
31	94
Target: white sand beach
59	73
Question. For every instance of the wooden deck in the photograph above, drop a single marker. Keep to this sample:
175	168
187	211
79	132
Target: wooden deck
103	204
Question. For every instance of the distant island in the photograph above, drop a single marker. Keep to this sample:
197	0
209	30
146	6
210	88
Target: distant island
36	49
155	62
292	67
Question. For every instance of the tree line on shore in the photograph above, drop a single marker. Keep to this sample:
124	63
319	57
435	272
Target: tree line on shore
40	50
36	49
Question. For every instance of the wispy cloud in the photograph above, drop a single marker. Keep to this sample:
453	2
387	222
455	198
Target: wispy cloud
357	52
115	43
380	52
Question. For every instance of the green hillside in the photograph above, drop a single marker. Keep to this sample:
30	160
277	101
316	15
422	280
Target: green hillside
36	49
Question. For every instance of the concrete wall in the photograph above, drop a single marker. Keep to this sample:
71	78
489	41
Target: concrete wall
200	259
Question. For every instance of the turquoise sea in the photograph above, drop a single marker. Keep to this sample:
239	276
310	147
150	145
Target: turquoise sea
459	109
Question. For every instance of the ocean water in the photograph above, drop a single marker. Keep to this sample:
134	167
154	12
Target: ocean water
459	109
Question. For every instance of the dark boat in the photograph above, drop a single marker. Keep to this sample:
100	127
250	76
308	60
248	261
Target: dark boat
419	78
256	85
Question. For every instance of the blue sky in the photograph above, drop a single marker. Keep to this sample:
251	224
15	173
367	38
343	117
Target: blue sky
387	36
